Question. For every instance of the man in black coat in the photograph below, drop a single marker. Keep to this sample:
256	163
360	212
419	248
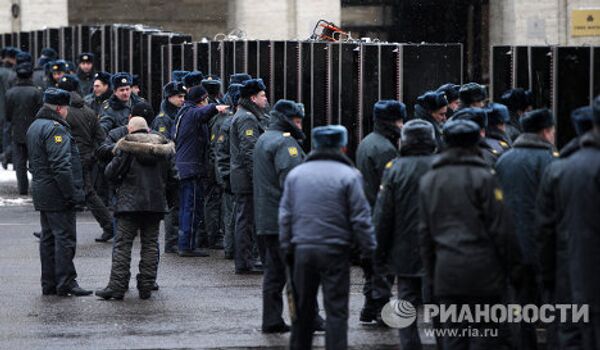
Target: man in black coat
432	107
143	173
519	101
461	201
86	73
173	98
495	132
88	134
101	92
276	153
568	227
57	189
479	116
396	217
374	153
23	101
520	172
323	212
116	110
582	120
7	74
452	95
249	122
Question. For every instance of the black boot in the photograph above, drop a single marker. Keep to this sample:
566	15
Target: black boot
106	236
145	294
108	293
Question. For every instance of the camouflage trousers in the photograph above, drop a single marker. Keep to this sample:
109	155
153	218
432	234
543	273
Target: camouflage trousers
128	226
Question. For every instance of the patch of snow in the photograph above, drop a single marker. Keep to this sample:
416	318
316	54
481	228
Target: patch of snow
15	202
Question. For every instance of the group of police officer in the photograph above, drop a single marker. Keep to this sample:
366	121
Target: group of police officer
465	202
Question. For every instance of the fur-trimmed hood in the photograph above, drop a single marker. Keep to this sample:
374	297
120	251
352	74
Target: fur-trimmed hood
148	148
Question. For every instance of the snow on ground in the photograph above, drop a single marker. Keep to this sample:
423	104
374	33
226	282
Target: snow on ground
9	175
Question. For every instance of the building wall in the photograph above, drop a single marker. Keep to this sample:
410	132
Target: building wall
204	18
541	22
35	14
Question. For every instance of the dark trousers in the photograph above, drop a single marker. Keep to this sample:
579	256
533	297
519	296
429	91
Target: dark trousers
328	267
19	151
128	226
93	201
228	223
244	231
191	214
410	289
466	342
57	250
525	334
274	279
172	228
212	213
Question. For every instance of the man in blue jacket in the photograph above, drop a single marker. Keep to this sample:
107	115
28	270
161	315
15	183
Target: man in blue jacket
191	140
322	212
57	189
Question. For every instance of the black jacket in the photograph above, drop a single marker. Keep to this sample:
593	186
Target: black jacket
249	122
513	127
569	230
96	102
222	155
54	162
142	172
373	153
104	152
85	128
396	213
498	140
86	81
23	101
115	113
165	120
276	153
466	239
520	172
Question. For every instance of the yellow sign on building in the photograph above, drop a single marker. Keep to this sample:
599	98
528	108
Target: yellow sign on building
585	22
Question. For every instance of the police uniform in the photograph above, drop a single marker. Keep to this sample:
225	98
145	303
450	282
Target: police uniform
57	188
114	112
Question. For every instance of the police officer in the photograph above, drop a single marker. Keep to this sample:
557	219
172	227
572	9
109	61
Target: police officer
325	186
495	132
583	121
191	139
57	69
143	173
57	188
461	201
40	73
451	92
23	101
88	135
249	122
519	101
213	87
192	79
101	92
479	116
7	74
136	87
178	75
116	110
374	152
173	98
277	151
396	217
472	95
520	171
223	166
433	107
569	235
86	73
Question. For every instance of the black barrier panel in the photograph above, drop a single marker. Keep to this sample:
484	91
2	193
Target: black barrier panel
7	40
96	47
166	64
82	39
333	84
137	54
106	48
501	71
349	69
39	43
215	58
278	71
121	48
228	61
52	39
25	41
420	73
15	39
146	49
239	62
292	70
155	44
177	57
596	72
521	67
251	58
319	84
306	90
188	56
369	88
572	87
264	65
541	76
202	57
389	89
66	42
